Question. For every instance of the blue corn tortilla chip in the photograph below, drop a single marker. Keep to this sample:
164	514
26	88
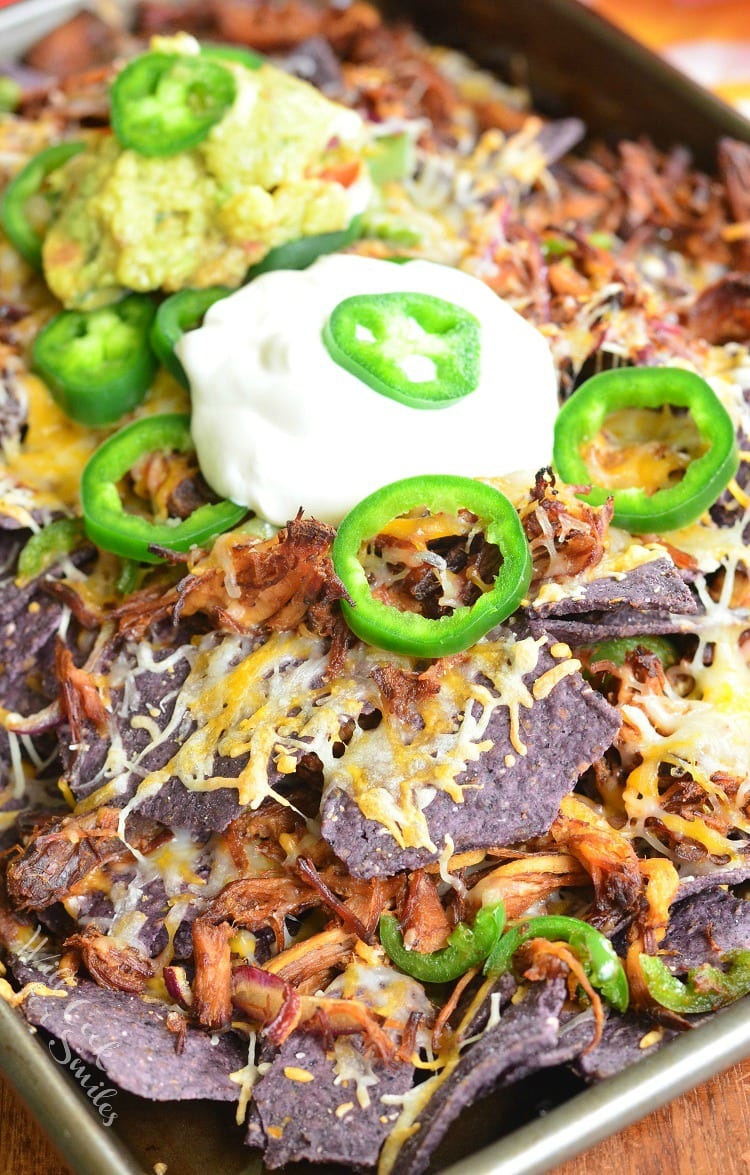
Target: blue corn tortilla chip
702	927
29	620
151	694
649	600
734	875
128	1040
625	1040
508	801
520	1044
319	1120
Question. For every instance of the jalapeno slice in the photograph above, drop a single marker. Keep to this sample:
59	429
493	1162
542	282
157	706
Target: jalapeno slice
182	311
590	946
235	53
301	253
706	988
163	103
16	224
107	522
467	946
582	418
387	627
54	541
617	649
414	348
98	364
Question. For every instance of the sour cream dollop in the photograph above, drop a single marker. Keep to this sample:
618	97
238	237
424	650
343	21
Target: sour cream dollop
279	425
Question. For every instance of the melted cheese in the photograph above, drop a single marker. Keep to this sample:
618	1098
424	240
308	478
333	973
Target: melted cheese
267	706
705	734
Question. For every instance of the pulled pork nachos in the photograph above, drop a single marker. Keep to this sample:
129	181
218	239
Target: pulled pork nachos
374	607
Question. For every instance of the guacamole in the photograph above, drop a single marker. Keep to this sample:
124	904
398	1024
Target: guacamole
284	162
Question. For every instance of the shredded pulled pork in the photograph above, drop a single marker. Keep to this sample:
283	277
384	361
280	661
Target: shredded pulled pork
721	312
254	902
424	922
244	582
270	1001
212	985
660	885
520	884
606	856
61	857
111	965
79	697
566	536
402	691
171	484
311	964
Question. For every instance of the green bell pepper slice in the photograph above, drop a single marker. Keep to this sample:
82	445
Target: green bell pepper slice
414	348
616	650
111	527
164	103
603	968
301	253
387	627
176	314
98	364
467	947
705	989
583	415
29	181
52	542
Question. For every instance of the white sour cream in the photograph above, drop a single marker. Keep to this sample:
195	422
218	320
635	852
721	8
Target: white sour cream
279	425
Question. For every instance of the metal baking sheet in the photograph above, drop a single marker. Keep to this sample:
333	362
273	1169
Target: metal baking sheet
575	63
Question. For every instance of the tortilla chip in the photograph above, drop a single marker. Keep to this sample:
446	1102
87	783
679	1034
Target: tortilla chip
651	599
512	797
302	1113
625	1040
127	1039
702	927
518	1045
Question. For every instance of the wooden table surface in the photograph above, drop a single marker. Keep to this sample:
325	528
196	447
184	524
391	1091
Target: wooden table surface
706	1132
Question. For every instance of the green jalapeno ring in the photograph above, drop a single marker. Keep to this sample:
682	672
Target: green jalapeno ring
617	649
176	314
238	54
406	632
467	947
371	336
583	415
55	540
706	988
596	952
98	364
301	253
107	522
164	103
21	234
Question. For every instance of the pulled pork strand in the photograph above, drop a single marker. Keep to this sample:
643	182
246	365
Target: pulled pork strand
61	857
113	966
244	582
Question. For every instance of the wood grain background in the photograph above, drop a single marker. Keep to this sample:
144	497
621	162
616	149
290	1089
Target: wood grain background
706	1132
